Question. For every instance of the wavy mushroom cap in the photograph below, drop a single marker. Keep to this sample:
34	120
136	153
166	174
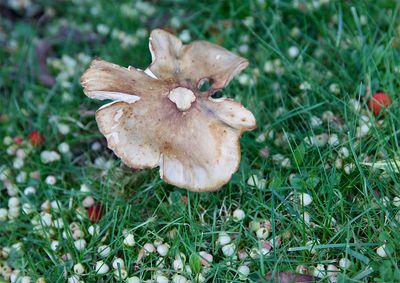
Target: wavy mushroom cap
159	117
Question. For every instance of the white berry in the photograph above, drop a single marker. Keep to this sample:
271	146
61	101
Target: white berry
94	229
85	188
88	201
262	233
223	239
120	274
78	234
27	208
381	251
14	212
229	250
79	268
149	248
46	218
238	215
54	245
243	271
13	202
50	180
293	51
305	199
129	240
101	268
118	263
133	279
80	244
178	264
179	279
161	279
344	152
104	251
163	249
3	214
344	263
73	279
63	148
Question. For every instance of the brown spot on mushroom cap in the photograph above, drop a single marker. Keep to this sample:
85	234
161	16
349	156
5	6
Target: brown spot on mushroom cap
197	149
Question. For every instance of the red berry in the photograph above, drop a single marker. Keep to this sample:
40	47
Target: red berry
95	212
18	139
379	101
36	138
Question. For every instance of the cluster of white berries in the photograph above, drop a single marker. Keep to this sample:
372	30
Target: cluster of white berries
14	208
274	67
47	223
329	272
47	156
66	68
254	181
228	248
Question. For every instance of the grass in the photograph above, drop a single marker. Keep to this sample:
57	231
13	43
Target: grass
347	51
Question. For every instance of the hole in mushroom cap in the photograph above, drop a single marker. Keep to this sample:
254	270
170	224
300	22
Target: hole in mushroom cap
204	85
217	95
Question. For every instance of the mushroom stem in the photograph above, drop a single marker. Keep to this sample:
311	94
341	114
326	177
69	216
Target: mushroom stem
182	97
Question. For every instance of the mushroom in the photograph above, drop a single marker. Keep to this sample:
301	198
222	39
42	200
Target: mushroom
162	117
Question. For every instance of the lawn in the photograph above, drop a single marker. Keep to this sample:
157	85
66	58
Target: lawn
317	193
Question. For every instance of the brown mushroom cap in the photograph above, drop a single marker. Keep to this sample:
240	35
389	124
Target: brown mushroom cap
194	62
159	117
